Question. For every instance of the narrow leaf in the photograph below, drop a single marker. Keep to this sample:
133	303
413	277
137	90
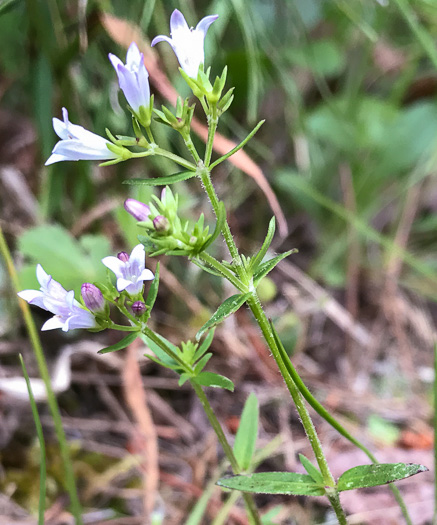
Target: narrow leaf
162	181
159	352
202	363
153	292
176	367
268	266
126	341
289	483
214	380
239	146
257	259
374	475
245	440
42	447
221	217
311	469
228	307
183	379
204	346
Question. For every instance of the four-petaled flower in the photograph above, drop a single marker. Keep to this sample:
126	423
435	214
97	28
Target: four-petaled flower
130	270
187	43
133	77
68	313
77	143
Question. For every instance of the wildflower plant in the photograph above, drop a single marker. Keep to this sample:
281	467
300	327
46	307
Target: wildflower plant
165	231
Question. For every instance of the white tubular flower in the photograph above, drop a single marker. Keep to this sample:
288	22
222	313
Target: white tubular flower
68	313
130	270
77	143
187	43
133	78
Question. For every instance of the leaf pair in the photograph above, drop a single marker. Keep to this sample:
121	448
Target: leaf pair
293	483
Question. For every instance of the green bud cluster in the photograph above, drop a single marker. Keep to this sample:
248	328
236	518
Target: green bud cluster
181	120
203	89
168	234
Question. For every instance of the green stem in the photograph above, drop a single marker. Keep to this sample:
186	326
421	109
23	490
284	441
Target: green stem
156	150
250	505
205	177
425	39
44	373
216	426
192	149
248	500
123	328
175	158
307	423
212	128
321	410
334	499
42	446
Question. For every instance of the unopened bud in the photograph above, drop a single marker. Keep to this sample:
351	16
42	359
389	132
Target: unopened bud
137	209
161	223
138	308
92	297
123	256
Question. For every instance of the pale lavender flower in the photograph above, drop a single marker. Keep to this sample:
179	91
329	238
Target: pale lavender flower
133	77
77	143
187	43
68	313
130	270
137	209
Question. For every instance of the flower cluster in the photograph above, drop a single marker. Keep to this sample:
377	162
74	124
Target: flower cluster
79	144
130	271
166	231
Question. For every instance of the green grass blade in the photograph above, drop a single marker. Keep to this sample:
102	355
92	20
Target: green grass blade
70	482
42	468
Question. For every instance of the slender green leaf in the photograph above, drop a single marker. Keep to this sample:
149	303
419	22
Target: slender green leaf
268	266
289	483
214	380
171	366
228	307
374	475
311	469
153	291
245	440
221	217
126	341
204	346
257	259
202	363
183	379
159	352
161	181
238	147
42	447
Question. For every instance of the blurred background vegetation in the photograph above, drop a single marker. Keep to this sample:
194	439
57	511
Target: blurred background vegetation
348	90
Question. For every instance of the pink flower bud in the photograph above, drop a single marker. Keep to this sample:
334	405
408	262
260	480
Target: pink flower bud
161	223
123	256
137	209
92	297
138	308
